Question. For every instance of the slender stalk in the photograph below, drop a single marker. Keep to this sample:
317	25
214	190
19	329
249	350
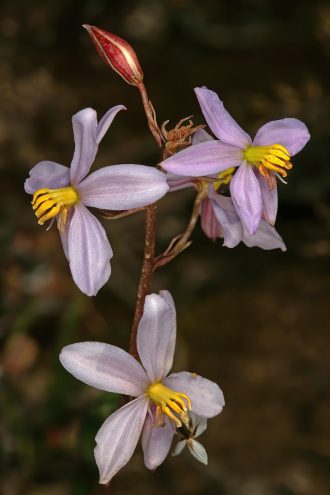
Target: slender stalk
111	215
183	241
146	273
150	231
150	114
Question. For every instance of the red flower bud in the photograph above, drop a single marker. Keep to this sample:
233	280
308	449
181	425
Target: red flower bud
117	53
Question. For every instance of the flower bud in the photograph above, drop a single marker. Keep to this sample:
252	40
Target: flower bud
117	53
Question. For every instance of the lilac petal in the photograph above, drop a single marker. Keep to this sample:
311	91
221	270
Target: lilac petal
246	196
65	242
206	396
46	174
290	133
167	296
200	136
105	367
266	237
210	157
201	424
227	217
89	251
64	235
156	442
156	336
121	187
176	182
106	121
209	222
84	125
117	438
198	451
269	199
219	121
179	447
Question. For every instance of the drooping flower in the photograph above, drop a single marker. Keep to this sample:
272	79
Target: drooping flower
63	193
219	218
162	404
253	187
197	426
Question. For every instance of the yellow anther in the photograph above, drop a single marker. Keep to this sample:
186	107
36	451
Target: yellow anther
176	408
224	177
173	404
169	413
184	396
47	203
274	157
49	214
45	206
275	160
226	173
274	167
280	147
38	193
39	200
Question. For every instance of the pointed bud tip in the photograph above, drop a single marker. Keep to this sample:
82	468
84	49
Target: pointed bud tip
117	53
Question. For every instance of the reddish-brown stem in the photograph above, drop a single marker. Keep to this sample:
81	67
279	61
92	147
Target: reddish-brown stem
150	229
150	114
183	241
146	272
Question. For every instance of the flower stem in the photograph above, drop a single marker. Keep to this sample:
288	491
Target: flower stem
146	273
150	114
150	229
176	248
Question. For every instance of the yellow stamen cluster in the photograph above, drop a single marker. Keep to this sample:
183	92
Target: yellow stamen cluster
47	203
224	177
174	404
274	157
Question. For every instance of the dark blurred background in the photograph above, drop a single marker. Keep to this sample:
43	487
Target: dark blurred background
251	320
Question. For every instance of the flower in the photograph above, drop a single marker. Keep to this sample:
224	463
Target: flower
253	187
162	402
219	218
63	193
197	426
117	53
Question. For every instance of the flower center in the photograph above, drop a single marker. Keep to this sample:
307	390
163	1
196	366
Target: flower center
47	203
274	157
173	404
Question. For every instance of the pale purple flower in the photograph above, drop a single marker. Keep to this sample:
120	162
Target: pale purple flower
197	426
253	187
219	218
162	402
63	193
